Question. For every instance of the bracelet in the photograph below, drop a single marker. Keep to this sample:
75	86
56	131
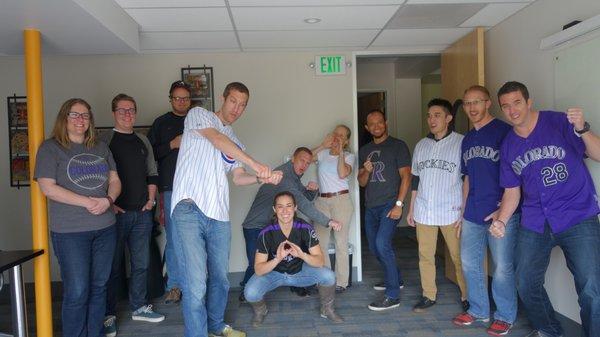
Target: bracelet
110	200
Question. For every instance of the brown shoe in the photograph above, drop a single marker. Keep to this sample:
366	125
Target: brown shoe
260	311
327	299
173	296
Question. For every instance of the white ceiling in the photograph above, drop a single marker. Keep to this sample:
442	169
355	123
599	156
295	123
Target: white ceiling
149	26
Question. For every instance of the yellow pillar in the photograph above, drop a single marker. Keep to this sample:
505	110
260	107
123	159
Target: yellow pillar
39	216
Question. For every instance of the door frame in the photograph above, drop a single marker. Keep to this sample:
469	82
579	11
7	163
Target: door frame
357	54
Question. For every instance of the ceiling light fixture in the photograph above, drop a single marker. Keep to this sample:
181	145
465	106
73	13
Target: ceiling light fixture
312	20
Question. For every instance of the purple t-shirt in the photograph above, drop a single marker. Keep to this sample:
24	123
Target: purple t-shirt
481	163
548	165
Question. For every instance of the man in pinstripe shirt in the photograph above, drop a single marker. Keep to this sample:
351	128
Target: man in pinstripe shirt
436	200
200	209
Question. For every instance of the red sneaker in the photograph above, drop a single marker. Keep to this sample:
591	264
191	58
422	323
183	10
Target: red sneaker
466	319
499	328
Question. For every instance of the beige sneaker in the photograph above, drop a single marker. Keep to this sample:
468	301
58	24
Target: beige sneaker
173	296
229	332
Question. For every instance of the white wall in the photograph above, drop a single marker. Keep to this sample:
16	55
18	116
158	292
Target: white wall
512	53
289	106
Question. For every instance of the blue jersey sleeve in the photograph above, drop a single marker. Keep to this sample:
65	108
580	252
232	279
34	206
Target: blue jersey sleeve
508	177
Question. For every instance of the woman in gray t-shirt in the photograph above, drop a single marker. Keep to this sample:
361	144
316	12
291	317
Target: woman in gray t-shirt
78	176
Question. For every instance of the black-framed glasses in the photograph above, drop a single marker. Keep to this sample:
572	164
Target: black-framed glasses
123	111
181	99
76	115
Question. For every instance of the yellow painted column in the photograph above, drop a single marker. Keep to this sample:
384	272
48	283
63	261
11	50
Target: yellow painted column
39	215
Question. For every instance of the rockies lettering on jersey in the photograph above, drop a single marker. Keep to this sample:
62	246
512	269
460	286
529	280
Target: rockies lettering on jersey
437	164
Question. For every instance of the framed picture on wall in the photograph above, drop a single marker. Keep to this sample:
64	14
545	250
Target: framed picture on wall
200	80
18	140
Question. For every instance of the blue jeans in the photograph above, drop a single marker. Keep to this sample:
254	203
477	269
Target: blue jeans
203	248
380	231
581	247
474	241
85	259
258	286
173	270
250	236
134	228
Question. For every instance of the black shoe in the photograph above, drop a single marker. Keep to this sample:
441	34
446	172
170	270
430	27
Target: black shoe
339	289
423	304
242	298
301	292
465	305
381	286
385	304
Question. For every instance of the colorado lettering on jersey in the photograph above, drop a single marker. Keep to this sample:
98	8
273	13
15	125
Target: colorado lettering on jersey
484	152
378	167
535	154
437	164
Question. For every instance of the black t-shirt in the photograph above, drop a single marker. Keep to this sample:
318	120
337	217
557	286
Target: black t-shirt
130	154
270	237
164	129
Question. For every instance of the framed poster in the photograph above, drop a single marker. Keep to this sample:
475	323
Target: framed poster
18	140
200	80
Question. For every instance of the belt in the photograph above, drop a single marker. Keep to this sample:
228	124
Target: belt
333	194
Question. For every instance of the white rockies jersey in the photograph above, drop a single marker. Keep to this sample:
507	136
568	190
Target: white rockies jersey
439	197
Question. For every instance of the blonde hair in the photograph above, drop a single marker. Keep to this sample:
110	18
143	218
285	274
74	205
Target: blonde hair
348	134
59	132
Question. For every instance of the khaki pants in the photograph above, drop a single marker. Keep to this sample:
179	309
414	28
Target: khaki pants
427	237
337	208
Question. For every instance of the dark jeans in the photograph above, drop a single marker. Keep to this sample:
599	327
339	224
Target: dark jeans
134	228
85	259
581	246
380	231
250	236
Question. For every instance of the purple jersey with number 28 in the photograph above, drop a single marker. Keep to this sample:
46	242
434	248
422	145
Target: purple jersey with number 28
549	166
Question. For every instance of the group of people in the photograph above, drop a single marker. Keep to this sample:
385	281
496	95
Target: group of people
518	189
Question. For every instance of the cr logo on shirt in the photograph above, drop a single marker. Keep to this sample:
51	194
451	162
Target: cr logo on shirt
378	167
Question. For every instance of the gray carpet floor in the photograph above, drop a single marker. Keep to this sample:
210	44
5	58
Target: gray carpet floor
292	316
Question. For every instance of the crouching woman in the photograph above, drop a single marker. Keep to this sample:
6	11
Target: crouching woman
288	254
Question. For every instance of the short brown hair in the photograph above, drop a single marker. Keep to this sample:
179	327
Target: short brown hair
59	132
122	97
302	149
237	86
377	111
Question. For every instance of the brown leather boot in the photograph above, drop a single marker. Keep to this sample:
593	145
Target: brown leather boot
260	311
327	299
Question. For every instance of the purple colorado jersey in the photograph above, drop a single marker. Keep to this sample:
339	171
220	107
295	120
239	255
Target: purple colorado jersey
556	184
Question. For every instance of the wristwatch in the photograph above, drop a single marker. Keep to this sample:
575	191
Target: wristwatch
153	202
586	128
399	203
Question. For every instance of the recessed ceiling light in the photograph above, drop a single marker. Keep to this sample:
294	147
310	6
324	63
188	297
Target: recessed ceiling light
312	20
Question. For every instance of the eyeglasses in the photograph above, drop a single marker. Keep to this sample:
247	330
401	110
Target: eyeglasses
123	112
474	102
180	99
76	115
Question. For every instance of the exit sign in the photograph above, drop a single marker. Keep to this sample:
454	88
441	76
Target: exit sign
330	65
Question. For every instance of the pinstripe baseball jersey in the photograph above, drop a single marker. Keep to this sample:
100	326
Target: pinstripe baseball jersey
439	196
201	172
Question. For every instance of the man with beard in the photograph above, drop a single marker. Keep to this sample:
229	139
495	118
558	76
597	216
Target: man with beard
385	174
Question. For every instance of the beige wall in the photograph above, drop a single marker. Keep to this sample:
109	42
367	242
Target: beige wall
289	106
512	53
431	87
